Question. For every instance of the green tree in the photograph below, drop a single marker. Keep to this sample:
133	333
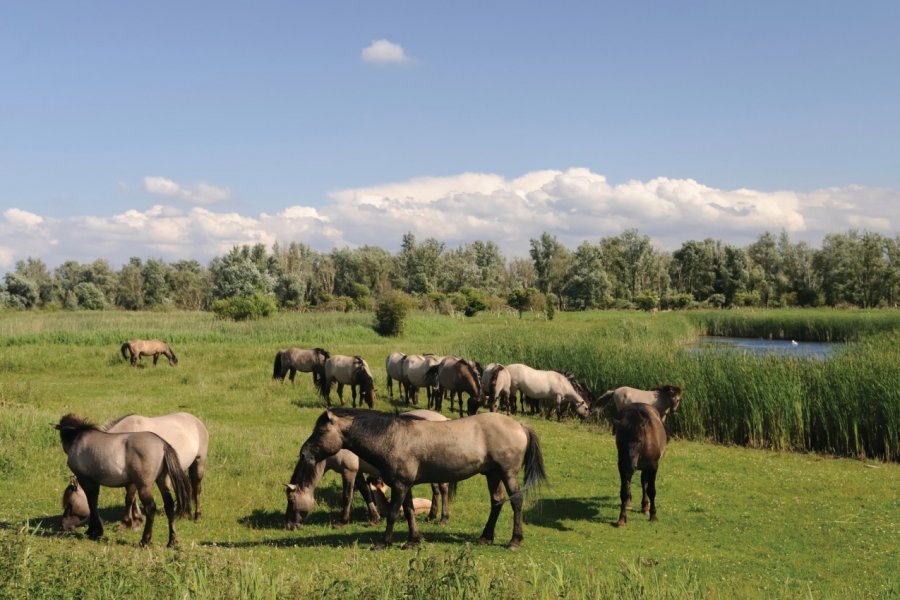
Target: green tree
130	286
89	296
551	262
586	283
21	291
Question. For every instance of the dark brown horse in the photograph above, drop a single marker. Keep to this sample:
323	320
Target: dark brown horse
457	375
291	360
641	443
408	450
134	459
138	348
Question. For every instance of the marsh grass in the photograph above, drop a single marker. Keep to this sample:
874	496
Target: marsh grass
734	522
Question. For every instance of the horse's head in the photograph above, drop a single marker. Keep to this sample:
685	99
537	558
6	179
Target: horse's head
75	506
174	360
300	503
326	439
673	393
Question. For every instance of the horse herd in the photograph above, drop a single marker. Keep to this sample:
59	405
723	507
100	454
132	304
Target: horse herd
418	446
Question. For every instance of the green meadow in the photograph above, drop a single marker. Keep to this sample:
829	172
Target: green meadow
781	478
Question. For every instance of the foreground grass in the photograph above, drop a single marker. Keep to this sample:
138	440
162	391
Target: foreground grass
734	522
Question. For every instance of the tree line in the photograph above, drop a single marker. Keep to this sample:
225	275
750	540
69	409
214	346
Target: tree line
625	271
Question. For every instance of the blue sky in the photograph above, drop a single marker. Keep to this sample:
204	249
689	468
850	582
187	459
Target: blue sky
176	130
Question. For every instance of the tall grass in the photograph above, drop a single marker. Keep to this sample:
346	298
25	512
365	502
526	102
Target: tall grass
848	404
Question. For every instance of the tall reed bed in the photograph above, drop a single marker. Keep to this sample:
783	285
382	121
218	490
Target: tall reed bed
848	404
822	325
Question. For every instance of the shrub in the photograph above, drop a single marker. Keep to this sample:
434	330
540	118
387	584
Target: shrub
242	308
647	301
677	301
89	296
390	315
550	308
716	300
747	299
475	301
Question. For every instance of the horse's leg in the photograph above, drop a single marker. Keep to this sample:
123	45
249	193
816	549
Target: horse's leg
495	489
155	358
390	384
353	395
348	478
169	507
196	472
626	471
444	489
128	519
292	374
92	491
145	492
398	494
415	537
366	493
340	391
511	482
648	482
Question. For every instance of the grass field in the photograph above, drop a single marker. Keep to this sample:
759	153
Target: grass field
735	521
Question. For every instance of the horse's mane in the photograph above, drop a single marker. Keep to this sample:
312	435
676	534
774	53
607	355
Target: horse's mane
109	425
363	377
73	422
367	421
582	390
322	351
474	373
669	389
494	376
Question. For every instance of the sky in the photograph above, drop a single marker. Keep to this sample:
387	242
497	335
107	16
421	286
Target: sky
177	130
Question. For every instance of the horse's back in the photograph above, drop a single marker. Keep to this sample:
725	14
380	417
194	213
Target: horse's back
623	396
183	431
641	435
111	459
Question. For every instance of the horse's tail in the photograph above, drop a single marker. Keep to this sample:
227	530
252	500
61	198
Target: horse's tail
601	400
535	473
492	384
323	382
179	480
323	353
451	490
276	371
470	365
126	347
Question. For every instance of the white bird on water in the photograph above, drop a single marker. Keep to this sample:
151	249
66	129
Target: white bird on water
794	343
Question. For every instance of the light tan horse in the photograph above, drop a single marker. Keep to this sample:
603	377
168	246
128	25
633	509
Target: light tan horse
495	384
553	389
134	459
352	469
665	399
183	431
138	348
393	365
416	371
347	370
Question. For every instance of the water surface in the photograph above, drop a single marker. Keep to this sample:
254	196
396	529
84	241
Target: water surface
762	346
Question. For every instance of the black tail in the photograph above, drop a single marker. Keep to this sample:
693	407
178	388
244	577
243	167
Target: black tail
492	386
323	353
276	372
535	474
323	382
179	480
125	348
451	490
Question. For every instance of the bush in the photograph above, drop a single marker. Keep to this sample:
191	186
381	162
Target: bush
391	314
89	296
647	301
242	308
551	305
677	301
746	299
475	301
716	300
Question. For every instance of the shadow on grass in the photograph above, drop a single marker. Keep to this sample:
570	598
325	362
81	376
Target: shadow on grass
554	512
344	540
272	519
51	525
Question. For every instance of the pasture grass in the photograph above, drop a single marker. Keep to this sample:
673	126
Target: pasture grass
734	521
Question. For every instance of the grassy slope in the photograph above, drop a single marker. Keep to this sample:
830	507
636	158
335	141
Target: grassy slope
733	521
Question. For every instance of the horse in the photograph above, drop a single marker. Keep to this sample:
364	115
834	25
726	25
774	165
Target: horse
75	505
407	450
393	364
665	399
555	389
299	359
641	443
98	458
352	470
457	375
138	348
347	370
495	382
416	371
185	432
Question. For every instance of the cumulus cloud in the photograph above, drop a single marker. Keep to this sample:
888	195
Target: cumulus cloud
575	205
385	52
201	194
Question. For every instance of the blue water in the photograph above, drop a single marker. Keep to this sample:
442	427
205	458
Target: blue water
761	346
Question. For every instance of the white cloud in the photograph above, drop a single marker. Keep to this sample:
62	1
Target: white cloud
201	194
385	52
575	205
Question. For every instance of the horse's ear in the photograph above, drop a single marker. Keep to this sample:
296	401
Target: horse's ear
290	487
331	417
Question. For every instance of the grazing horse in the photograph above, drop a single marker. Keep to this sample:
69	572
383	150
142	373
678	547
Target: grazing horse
407	450
393	364
352	469
665	399
495	382
457	375
98	458
299	359
185	432
641	443
138	348
347	370
556	390
75	506
416	371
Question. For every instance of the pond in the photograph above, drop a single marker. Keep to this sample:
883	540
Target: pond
762	346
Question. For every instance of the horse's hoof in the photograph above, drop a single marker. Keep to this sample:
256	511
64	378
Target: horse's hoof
145	543
411	545
653	519
485	541
339	525
172	544
443	523
621	523
513	545
379	546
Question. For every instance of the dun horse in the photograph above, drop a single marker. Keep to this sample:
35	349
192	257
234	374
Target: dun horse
140	458
407	450
665	399
418	374
393	364
135	349
457	375
185	432
300	499
495	382
304	360
347	370
641	443
554	389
